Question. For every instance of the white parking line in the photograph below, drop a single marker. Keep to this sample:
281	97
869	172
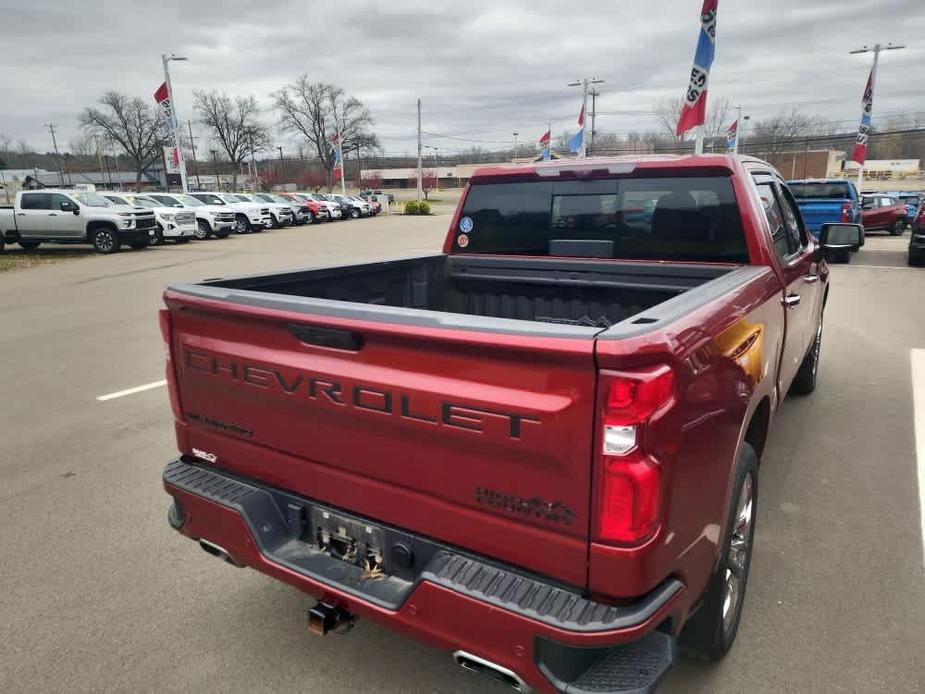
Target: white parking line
131	391
918	402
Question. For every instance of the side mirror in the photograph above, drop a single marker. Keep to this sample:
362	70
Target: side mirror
837	237
67	206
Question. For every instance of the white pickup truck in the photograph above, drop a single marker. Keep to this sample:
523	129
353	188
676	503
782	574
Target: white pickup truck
179	227
211	220
249	216
71	216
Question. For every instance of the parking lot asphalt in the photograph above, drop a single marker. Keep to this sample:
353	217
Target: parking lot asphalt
98	594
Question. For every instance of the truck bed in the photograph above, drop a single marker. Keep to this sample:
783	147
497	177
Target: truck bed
569	292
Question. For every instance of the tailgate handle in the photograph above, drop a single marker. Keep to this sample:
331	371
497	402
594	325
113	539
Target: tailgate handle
327	337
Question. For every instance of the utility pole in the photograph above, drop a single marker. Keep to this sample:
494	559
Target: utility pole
214	153
192	146
873	78
115	161
740	128
583	83
51	128
281	163
595	92
514	156
174	121
419	151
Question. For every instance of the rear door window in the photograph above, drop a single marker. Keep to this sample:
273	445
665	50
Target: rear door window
35	201
685	218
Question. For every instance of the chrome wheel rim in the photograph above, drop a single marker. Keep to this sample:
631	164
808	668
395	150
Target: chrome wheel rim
738	554
201	233
104	241
240	226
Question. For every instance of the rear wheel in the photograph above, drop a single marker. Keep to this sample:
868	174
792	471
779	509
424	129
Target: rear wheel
898	228
105	240
711	630
202	229
29	245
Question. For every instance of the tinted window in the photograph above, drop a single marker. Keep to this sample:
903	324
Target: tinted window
58	198
836	190
35	201
167	201
910	199
209	199
775	215
644	218
792	219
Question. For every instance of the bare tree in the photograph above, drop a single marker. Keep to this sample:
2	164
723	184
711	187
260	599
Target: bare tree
316	110
83	146
773	133
668	112
132	124
26	154
719	117
234	125
6	142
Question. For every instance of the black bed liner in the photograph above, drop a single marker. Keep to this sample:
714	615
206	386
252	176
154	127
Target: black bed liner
572	293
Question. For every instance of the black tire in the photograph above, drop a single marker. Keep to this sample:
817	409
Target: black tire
354	213
180	241
710	632
158	236
915	259
29	245
2	242
242	224
274	224
311	219
898	228
804	382
138	245
223	234
105	240
203	231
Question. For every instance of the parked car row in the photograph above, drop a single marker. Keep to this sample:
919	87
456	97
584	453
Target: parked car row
110	219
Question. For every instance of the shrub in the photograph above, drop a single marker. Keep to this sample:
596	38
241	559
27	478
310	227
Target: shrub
411	207
423	208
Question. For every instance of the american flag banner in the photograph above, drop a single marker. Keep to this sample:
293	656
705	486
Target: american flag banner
694	109
867	101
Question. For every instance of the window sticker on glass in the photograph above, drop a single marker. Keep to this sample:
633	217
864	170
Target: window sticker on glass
465	225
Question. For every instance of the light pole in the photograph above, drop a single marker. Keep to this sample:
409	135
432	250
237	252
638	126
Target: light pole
514	155
214	154
281	164
174	121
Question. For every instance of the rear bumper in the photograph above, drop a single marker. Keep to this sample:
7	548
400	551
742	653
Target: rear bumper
552	637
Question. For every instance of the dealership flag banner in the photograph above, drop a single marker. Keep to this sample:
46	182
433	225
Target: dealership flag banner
867	101
694	110
544	142
732	138
577	140
162	97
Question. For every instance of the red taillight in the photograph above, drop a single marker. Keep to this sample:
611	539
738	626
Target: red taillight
164	319
630	480
845	212
630	499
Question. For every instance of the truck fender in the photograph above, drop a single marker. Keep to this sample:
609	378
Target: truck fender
97	224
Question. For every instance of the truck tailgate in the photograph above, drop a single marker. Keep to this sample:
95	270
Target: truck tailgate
478	438
819	212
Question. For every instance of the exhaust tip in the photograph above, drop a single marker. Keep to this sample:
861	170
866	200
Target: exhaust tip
218	551
480	666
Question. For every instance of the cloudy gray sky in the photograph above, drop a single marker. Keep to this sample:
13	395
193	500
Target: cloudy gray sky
483	69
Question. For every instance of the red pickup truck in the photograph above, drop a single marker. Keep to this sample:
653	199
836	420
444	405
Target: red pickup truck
538	449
